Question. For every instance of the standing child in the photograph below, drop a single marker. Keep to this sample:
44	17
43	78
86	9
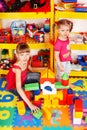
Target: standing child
62	49
18	74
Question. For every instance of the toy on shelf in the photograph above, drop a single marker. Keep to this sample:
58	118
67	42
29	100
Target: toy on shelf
41	59
81	7
18	30
82	59
27	5
2	6
37	3
5	35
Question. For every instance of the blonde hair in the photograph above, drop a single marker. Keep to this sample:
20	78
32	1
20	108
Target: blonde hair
22	48
64	22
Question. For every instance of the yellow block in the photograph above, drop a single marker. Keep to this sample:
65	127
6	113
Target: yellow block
47	103
44	73
51	74
60	94
55	103
47	113
21	108
78	114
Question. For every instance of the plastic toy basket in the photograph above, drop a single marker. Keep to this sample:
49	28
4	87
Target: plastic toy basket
5	35
18	27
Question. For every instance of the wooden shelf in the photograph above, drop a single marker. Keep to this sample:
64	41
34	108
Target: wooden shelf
72	15
79	73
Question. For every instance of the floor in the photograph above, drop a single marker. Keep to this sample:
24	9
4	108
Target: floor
61	116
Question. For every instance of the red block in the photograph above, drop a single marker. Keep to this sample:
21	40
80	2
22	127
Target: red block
78	105
37	64
70	99
37	103
64	101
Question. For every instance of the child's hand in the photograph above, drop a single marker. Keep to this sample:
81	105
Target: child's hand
33	108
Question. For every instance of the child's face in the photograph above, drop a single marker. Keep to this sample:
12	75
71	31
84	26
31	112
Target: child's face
23	57
64	31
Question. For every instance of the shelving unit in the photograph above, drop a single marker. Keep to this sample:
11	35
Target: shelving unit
30	15
73	15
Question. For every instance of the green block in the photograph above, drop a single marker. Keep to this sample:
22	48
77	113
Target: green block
38	114
32	86
86	119
58	85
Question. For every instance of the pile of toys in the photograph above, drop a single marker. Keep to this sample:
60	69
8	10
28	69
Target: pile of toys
20	29
24	5
42	59
72	5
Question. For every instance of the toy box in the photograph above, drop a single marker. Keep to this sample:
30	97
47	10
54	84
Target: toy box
82	59
18	27
18	39
69	0
81	7
5	36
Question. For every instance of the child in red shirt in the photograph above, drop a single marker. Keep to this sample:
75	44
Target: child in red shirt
17	75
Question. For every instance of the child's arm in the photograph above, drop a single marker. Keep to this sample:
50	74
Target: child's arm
58	60
21	92
30	68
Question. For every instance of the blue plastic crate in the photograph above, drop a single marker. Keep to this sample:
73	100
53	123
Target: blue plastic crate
81	7
81	61
18	27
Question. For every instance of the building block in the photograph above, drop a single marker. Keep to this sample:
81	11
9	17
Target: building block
37	114
76	121
70	99
58	85
47	113
37	103
21	108
78	114
86	119
32	86
47	103
78	105
64	101
44	73
55	103
60	94
28	94
52	80
51	74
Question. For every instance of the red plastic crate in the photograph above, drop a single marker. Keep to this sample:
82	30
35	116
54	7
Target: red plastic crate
5	36
18	39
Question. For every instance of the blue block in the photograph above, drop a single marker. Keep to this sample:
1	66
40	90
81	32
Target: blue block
70	91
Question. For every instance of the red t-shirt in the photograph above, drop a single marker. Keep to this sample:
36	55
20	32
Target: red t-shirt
11	78
63	47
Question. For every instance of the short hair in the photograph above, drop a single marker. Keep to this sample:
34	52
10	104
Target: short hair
65	22
22	48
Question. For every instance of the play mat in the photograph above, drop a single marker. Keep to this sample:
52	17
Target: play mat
61	116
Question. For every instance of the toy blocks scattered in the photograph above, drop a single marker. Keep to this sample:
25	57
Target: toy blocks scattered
47	113
32	86
38	114
58	85
21	108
